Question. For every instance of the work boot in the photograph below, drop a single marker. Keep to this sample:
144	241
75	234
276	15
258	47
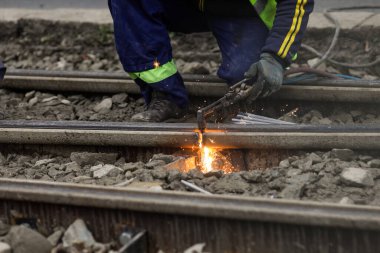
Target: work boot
159	110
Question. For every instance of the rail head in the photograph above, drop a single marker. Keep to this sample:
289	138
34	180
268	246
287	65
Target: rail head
192	204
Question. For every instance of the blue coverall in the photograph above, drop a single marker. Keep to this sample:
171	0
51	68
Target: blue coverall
142	41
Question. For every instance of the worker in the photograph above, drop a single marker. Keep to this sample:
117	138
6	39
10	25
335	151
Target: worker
258	39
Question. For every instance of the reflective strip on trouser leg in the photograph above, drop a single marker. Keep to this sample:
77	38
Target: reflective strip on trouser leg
157	74
173	87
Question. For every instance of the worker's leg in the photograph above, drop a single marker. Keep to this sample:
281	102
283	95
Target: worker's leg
240	41
143	44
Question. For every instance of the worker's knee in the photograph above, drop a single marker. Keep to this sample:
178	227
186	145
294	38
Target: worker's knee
233	73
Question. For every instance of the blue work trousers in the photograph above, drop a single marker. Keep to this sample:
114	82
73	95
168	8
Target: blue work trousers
141	35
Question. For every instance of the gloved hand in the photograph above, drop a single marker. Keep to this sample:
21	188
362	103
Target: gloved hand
269	73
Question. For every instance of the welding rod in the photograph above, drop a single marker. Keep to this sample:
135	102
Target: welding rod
274	121
194	187
249	122
249	118
254	116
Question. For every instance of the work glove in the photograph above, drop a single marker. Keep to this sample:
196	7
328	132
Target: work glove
269	74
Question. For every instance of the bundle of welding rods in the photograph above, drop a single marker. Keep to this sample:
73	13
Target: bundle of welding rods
250	119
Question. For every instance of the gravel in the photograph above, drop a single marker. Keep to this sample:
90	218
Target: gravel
90	47
81	46
318	176
76	238
120	107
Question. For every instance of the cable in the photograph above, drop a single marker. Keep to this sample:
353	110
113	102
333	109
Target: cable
324	57
342	64
310	71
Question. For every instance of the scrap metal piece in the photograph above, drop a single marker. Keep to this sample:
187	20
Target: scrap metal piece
134	242
194	187
251	119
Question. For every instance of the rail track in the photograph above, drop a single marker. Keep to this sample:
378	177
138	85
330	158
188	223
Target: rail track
197	85
175	221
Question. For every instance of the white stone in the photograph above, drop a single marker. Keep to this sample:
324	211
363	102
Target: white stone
30	94
284	164
104	170
76	233
103	106
44	162
49	99
55	237
65	102
198	248
95	168
5	248
73	166
346	201
357	177
33	101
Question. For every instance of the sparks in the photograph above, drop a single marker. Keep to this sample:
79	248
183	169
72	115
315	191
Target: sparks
156	64
210	159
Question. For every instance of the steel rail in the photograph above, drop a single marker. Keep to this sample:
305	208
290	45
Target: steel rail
176	220
201	86
244	208
187	127
186	77
100	85
185	136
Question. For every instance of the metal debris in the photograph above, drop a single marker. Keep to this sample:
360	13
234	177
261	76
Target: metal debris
194	187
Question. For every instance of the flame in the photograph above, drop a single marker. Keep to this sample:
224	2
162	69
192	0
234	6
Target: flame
211	159
207	157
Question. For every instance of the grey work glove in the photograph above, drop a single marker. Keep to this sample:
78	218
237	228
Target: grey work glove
269	73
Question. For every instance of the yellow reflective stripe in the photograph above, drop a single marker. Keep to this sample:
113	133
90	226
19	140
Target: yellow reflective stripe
283	52
157	74
297	30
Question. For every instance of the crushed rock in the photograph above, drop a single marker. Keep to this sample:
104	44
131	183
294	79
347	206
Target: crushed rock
317	176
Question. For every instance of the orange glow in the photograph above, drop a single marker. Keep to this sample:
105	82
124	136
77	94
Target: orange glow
210	159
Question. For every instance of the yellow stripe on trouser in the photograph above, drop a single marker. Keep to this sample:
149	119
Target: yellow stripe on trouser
294	29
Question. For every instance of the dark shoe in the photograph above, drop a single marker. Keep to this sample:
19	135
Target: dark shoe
159	110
